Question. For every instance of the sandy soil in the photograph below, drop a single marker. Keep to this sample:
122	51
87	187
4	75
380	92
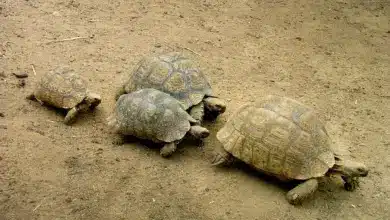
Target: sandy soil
331	54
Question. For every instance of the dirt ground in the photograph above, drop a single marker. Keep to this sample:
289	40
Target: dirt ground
331	54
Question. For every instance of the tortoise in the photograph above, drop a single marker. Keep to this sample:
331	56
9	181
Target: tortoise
63	88
178	75
284	138
150	114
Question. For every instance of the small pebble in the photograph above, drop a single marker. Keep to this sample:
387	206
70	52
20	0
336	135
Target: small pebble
157	45
2	114
3	126
68	200
20	75
299	38
56	13
117	159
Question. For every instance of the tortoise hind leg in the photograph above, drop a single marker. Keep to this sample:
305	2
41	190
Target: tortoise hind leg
222	158
71	116
31	96
168	149
302	191
119	92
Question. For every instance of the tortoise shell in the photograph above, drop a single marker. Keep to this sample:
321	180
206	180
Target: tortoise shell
151	114
279	136
61	87
172	73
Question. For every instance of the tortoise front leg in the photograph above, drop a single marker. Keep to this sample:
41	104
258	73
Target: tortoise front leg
71	116
168	149
302	191
197	112
350	183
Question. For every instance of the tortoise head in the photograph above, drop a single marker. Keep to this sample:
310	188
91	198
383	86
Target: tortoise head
349	168
93	100
215	105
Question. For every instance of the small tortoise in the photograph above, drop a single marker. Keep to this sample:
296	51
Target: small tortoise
63	88
150	114
179	76
282	137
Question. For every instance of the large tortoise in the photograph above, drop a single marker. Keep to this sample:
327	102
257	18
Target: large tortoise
63	88
153	115
282	137
181	77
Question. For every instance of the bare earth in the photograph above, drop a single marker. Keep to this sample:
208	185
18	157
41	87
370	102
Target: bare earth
333	55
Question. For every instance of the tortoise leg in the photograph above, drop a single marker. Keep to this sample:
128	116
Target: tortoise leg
197	112
222	158
350	183
71	116
302	191
119	92
168	149
31	97
118	139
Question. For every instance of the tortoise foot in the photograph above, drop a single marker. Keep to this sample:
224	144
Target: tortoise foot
168	150
351	183
301	192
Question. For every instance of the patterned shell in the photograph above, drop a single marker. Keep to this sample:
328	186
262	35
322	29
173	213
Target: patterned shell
172	73
279	136
61	87
151	114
